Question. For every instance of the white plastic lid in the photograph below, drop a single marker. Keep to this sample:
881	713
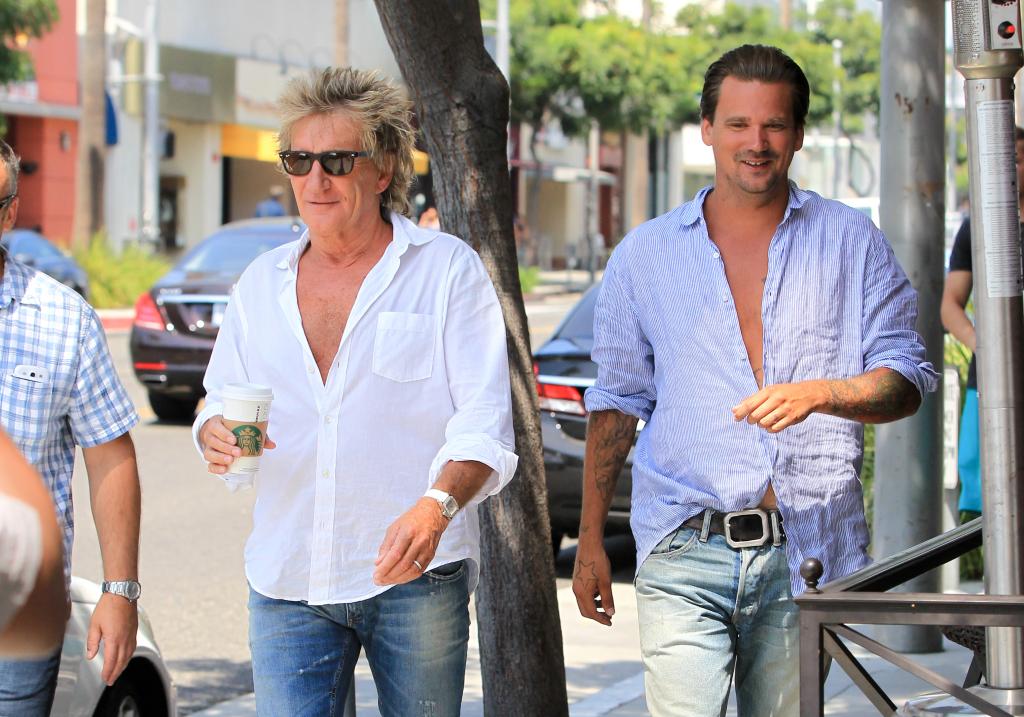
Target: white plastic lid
247	392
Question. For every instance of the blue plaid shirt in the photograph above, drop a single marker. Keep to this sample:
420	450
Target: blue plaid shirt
58	386
669	350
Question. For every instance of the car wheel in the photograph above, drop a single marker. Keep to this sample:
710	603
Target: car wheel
171	408
124	699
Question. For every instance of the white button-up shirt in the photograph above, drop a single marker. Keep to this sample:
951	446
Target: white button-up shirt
420	379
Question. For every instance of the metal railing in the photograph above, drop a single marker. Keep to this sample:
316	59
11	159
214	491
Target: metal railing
860	599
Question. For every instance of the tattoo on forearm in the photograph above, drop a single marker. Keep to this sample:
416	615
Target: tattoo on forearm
874	397
610	436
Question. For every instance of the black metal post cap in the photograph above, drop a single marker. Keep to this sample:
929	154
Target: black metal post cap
811	571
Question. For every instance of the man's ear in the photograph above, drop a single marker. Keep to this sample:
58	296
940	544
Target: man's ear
11	215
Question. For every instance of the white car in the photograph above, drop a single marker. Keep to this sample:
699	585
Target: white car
144	689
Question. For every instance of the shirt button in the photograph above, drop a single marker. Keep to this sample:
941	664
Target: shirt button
310	369
327	419
725	298
715	255
326	474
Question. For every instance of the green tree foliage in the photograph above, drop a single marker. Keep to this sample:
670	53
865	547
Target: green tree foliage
21	18
810	46
576	69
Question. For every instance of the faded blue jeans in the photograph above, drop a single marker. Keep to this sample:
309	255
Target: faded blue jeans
709	613
27	687
415	636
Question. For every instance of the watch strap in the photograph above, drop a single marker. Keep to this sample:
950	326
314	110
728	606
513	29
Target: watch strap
449	505
128	589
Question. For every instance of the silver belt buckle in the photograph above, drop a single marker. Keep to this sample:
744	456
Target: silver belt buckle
756	543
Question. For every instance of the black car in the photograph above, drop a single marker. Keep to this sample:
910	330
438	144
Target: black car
33	249
176	322
564	372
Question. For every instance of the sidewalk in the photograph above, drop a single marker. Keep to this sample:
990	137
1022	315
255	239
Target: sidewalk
604	676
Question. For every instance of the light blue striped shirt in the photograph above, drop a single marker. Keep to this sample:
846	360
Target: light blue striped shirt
668	347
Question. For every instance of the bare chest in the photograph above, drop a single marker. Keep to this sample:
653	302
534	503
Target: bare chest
325	307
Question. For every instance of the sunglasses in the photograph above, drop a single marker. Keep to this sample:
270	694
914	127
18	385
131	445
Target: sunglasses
6	201
337	162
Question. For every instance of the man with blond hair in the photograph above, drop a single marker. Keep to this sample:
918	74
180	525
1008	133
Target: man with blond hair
384	346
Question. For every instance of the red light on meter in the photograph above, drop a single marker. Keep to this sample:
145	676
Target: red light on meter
1007	30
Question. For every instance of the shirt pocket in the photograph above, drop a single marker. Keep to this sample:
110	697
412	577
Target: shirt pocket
25	409
403	349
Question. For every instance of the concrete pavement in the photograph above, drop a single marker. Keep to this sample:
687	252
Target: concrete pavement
604	675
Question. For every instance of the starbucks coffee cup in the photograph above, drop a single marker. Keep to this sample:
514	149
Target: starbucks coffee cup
246	410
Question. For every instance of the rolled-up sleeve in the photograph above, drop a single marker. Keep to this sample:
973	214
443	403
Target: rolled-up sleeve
476	361
624	357
889	316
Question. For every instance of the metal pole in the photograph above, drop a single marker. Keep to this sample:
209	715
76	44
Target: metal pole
151	121
837	114
908	453
593	150
988	60
503	39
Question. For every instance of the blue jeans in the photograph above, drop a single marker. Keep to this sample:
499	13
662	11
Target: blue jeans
708	613
27	687
415	636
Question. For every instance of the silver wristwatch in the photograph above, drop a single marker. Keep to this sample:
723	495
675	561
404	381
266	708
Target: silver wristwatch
449	506
128	589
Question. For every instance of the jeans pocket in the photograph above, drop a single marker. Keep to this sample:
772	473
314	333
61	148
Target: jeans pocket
679	541
446	573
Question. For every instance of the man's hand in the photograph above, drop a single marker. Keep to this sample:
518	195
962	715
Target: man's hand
592	584
413	537
114	622
776	408
219	445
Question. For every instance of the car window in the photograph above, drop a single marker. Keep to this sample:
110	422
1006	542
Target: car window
34	246
231	252
580	322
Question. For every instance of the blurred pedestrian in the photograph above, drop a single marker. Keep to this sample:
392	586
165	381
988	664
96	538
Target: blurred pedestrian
271	206
384	346
59	389
33	598
956	293
430	219
753	381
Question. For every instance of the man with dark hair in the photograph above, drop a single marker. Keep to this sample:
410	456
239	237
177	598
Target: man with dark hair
754	382
956	292
59	389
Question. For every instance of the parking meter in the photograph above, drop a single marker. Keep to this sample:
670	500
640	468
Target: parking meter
987	45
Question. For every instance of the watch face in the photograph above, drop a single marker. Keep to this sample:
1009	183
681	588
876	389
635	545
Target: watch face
132	591
451	506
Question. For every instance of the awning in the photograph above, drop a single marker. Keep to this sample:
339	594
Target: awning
248	143
420	161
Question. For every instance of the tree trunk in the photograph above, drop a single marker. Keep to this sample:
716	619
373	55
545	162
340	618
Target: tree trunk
92	144
462	101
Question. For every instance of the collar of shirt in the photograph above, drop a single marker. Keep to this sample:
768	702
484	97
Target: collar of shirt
16	284
690	212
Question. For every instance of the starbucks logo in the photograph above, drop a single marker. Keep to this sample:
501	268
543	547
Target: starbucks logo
250	439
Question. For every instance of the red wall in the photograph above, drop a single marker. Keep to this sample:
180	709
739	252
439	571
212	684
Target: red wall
55	57
47	195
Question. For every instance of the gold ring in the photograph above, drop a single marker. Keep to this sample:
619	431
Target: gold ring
417	564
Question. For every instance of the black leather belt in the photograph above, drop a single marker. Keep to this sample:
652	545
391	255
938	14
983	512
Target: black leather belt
742	528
